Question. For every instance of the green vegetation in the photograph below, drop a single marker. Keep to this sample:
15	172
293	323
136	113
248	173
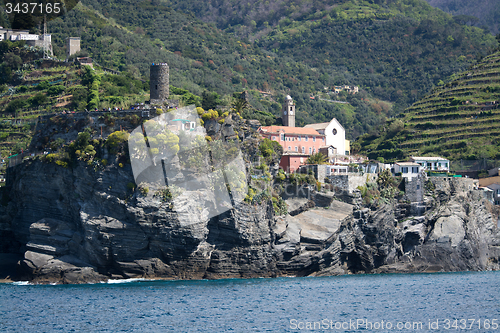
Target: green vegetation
270	150
458	120
394	50
385	189
317	158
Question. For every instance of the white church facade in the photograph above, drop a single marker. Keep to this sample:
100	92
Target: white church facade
334	134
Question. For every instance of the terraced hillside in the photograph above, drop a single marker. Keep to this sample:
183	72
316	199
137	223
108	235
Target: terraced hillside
459	120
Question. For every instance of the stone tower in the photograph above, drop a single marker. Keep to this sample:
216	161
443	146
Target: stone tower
158	83
72	46
288	112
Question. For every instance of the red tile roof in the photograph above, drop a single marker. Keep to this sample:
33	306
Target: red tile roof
289	130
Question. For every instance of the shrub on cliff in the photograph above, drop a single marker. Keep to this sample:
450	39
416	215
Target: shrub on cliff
270	150
116	141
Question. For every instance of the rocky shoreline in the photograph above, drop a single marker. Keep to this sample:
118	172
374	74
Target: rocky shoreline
86	224
72	227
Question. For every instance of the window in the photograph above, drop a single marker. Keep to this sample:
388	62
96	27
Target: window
298	138
289	148
404	169
334	131
314	139
274	138
429	165
306	138
291	108
323	139
303	150
418	187
310	150
314	150
282	137
296	148
414	169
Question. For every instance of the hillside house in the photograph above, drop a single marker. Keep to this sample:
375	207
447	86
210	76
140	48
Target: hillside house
44	40
432	163
328	151
291	161
406	169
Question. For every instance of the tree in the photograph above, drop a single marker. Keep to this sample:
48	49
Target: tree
15	105
210	100
240	105
56	90
317	158
13	61
5	73
38	99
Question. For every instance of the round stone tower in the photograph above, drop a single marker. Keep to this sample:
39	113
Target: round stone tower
158	83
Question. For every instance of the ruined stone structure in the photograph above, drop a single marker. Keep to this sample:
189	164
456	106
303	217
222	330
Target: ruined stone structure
159	83
72	46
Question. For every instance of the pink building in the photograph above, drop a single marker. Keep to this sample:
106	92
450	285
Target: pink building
290	161
297	142
294	139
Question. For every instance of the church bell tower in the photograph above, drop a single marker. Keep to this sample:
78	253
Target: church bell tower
288	112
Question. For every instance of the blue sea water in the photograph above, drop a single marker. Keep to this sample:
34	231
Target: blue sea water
361	303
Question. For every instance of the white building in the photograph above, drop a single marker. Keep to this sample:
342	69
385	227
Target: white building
42	41
495	188
407	169
432	163
334	134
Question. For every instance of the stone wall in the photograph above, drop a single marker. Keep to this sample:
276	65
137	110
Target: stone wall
454	184
414	188
350	182
319	171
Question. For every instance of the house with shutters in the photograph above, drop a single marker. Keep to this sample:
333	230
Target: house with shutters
432	163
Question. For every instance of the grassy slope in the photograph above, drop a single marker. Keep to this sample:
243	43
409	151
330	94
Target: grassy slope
455	120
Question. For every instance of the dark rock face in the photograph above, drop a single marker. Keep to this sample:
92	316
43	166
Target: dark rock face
75	229
458	235
81	225
86	224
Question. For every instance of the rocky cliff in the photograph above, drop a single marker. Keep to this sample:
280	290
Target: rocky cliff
85	223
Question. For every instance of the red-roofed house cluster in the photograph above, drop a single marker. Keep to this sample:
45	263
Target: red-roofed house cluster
300	142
